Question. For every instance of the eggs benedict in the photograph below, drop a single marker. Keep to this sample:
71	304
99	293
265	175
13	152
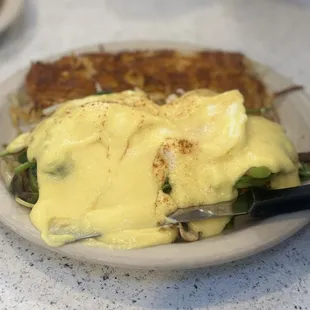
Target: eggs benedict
118	164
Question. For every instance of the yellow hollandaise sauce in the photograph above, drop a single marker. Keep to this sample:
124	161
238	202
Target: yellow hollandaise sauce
102	162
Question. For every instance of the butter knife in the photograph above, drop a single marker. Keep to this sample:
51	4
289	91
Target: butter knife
255	202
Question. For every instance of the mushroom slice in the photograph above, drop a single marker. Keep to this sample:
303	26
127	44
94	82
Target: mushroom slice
187	233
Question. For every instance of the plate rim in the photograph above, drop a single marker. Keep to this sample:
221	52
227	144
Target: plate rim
117	258
9	12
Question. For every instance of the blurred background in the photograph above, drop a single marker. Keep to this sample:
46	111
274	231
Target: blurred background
275	32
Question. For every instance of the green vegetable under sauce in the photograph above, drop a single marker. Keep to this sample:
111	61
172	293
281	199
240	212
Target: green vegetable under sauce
16	185
166	188
247	181
24	186
61	171
304	172
22	157
23	167
254	177
32	173
4	154
258	172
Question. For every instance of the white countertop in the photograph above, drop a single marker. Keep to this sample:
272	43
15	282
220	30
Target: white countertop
275	32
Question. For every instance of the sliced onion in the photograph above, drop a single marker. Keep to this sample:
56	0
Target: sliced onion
98	87
24	203
6	174
50	110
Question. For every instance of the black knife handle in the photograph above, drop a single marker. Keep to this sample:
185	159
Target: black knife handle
268	203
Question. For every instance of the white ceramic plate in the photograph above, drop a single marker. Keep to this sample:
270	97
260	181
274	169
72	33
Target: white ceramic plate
9	11
294	111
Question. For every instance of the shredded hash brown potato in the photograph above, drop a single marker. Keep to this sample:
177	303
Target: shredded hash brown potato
162	74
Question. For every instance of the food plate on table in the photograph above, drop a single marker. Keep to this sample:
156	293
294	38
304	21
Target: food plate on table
260	88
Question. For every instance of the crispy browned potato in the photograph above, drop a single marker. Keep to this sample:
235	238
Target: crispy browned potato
158	73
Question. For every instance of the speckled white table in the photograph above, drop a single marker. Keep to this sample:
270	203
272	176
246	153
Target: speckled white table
275	32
